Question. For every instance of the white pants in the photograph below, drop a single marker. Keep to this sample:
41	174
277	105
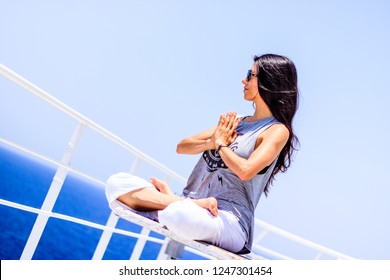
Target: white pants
191	221
185	218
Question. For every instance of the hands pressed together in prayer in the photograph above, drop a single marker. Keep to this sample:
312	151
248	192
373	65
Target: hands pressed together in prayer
225	132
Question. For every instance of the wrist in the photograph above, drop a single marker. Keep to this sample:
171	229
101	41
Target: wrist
209	145
220	146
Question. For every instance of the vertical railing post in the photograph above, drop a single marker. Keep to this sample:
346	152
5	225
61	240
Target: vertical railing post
105	238
52	195
139	245
112	222
162	253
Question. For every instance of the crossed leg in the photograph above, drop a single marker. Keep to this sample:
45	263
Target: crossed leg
159	197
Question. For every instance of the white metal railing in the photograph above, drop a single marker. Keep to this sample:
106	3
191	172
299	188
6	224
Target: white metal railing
63	168
319	249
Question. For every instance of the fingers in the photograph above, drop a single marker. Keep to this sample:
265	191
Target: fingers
232	122
237	122
222	121
233	137
229	121
230	117
226	133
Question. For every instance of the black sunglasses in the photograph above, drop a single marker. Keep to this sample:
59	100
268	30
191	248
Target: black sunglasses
249	75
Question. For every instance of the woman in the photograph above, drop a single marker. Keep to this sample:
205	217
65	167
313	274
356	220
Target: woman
240	158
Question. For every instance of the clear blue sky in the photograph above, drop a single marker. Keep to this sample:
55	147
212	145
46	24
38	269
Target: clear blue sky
154	72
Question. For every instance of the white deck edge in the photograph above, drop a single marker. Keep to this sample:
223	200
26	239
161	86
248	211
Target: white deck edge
209	249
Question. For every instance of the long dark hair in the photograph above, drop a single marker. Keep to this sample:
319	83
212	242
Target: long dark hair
278	86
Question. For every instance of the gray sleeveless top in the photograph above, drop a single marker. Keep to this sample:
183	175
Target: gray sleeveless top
211	177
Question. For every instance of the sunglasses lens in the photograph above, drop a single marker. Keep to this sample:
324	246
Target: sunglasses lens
248	75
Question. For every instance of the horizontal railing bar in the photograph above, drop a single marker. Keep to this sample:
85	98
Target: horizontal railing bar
301	240
272	252
77	220
49	160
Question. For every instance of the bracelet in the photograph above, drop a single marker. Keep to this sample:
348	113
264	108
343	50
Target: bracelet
220	146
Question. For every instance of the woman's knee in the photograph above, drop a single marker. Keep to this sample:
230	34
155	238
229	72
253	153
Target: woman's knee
119	185
129	199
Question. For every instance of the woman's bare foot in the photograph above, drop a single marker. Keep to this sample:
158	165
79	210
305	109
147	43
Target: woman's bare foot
161	186
209	203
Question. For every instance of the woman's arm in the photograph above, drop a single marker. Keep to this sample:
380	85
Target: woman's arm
196	144
271	141
268	146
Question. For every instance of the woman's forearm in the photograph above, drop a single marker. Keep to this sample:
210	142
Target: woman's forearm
238	165
196	144
193	146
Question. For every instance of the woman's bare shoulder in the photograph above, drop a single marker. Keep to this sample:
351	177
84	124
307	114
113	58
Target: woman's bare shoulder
275	133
